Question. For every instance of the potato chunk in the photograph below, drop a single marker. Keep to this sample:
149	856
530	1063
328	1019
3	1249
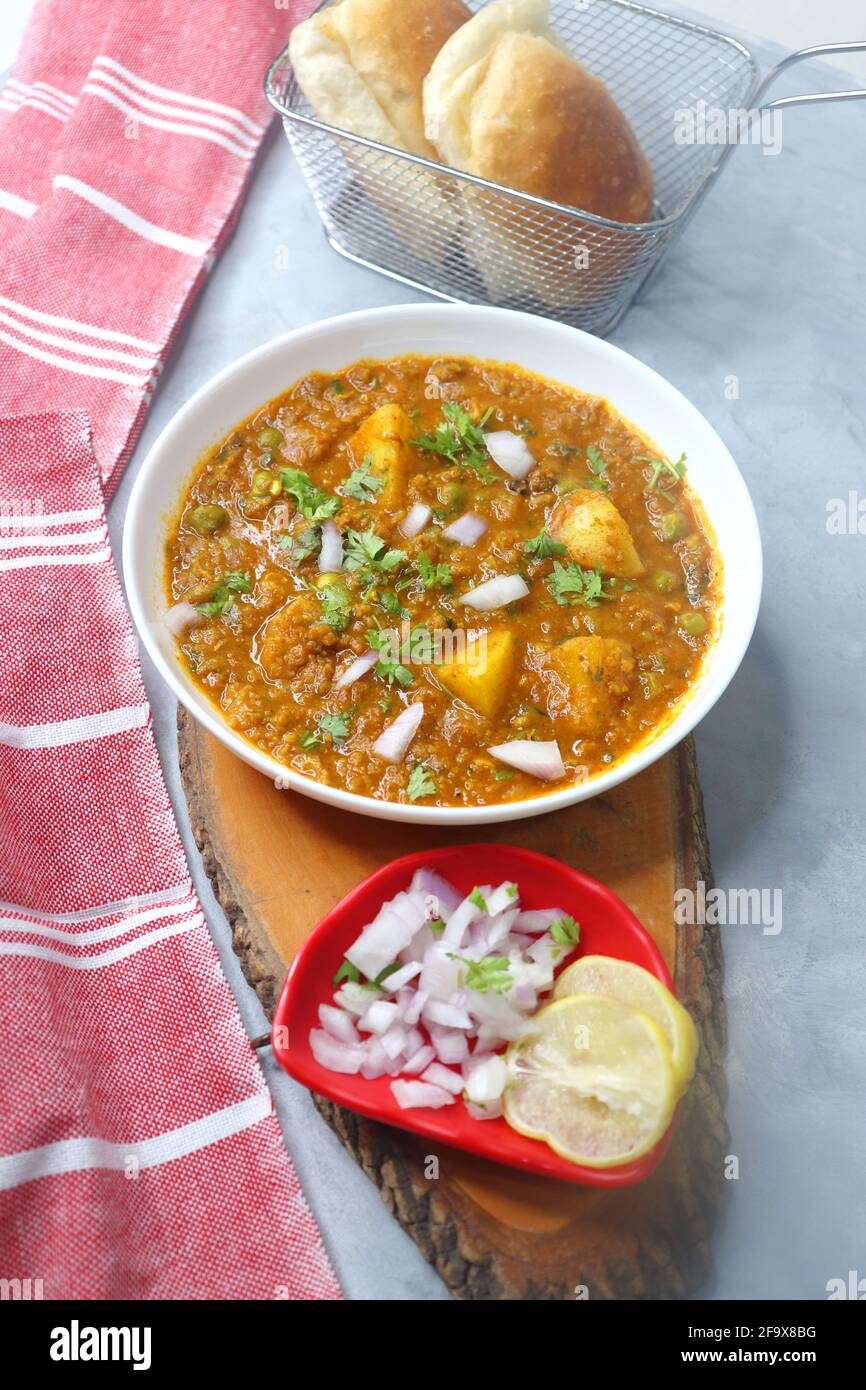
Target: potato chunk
586	678
595	534
481	678
282	645
384	439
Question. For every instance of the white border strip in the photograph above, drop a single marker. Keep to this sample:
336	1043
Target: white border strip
64	732
70	557
103	61
131	220
102	958
10	202
79	1155
88	330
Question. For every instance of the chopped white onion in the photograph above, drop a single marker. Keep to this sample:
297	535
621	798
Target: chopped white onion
338	1023
542	760
446	1015
415	520
334	1055
496	593
450	1044
467	529
409	1095
380	943
537	921
458	922
485	1081
510	452
181	616
379	1017
394	1041
376	1061
401	977
393	742
439	1075
412	1011
331	553
359	667
420	1061
432	886
353	998
505	896
491	1111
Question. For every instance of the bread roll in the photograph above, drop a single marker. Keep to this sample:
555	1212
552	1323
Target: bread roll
506	101
361	65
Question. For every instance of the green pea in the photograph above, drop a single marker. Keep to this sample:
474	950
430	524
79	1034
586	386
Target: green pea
665	581
695	624
207	519
673	526
264	484
269	438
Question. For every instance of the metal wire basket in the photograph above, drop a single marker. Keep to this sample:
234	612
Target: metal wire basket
464	238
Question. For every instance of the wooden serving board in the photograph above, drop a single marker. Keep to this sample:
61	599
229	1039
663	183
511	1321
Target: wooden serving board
279	861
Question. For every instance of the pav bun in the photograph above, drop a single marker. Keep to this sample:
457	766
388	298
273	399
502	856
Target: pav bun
361	65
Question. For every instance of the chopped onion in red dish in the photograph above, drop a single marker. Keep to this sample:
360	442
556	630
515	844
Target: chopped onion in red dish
542	760
393	742
510	451
467	529
359	667
409	1095
415	520
331	553
181	616
447	981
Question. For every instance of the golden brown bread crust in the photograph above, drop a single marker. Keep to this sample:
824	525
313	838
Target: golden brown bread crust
542	124
391	45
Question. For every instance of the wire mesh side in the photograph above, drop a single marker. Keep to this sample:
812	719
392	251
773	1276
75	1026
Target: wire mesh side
464	241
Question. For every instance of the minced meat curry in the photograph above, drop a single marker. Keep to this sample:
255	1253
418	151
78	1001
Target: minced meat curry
382	576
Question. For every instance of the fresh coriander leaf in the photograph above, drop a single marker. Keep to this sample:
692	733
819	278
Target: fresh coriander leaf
420	783
459	439
571	584
596	465
565	931
503	774
477	897
308	739
492	973
392	604
362	483
366	550
433	575
388	667
673	472
543	546
347	971
299	548
336	726
221	601
437	926
313	503
336	607
386	701
337	387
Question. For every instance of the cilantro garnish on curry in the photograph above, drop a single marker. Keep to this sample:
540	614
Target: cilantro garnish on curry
445	582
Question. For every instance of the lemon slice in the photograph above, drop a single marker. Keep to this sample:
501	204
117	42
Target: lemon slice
619	979
594	1078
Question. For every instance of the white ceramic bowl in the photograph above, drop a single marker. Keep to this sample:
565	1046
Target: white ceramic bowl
550	348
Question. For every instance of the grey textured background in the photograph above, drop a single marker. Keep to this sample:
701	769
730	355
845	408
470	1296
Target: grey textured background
767	285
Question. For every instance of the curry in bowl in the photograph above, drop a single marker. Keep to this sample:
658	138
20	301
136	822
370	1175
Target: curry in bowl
443	581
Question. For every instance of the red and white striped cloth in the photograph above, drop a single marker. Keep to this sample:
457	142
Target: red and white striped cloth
139	1153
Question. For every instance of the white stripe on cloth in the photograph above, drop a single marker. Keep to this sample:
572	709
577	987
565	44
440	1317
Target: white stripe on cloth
105	354
102	60
164	108
131	220
63	732
30	520
68	365
173	127
102	958
87	330
78	538
12	203
38	103
77	1155
93	936
177	893
54	560
62	98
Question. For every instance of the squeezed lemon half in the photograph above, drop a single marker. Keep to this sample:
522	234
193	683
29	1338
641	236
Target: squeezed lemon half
594	1078
631	984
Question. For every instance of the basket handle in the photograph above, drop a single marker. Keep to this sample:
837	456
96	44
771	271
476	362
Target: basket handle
818	50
